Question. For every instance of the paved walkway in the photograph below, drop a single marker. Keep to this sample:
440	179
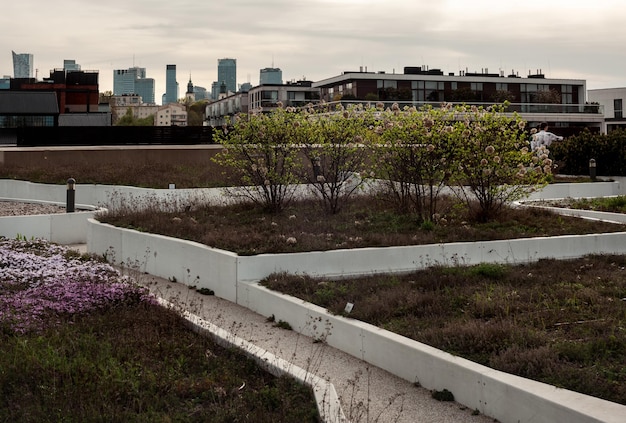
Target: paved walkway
367	393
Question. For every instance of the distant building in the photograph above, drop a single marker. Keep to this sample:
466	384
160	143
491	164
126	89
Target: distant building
76	91
271	76
28	108
215	90
171	85
144	87
70	65
190	95
560	102
245	87
264	98
295	94
611	101
22	65
140	110
219	112
171	114
133	81
201	93
227	73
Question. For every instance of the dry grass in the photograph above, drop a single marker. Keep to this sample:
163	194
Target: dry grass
364	222
560	322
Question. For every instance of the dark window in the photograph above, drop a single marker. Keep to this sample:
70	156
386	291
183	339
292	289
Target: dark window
617	107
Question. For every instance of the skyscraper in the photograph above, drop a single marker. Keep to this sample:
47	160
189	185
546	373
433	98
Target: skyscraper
227	73
133	81
145	88
22	65
171	85
70	65
271	76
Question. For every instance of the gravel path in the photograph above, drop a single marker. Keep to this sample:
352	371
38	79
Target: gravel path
17	208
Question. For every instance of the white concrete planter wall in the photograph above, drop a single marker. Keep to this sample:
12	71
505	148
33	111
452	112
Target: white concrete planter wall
496	394
62	228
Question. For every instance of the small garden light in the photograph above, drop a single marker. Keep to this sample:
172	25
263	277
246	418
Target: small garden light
71	195
592	169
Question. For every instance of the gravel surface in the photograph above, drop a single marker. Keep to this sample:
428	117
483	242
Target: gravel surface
17	208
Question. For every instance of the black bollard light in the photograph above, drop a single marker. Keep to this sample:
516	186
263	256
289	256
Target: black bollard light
592	169
71	195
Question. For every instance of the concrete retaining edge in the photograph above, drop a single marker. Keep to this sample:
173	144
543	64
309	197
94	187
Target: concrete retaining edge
328	404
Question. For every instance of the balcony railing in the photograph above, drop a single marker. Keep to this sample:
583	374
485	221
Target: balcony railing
595	109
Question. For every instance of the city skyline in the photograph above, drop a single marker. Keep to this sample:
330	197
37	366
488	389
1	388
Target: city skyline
319	39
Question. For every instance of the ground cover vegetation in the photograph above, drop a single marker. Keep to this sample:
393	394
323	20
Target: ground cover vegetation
558	322
80	342
604	204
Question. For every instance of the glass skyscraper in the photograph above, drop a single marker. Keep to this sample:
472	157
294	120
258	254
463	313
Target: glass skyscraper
271	76
227	73
133	81
171	86
22	65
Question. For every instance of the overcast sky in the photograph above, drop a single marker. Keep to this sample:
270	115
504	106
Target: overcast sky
319	39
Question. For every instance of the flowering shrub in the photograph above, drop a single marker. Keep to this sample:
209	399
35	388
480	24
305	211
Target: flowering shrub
40	283
416	156
481	153
336	147
262	148
493	164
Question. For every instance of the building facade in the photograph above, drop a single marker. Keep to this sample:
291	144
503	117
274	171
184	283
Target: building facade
23	65
611	101
266	97
76	91
560	102
171	114
171	85
227	73
27	109
262	98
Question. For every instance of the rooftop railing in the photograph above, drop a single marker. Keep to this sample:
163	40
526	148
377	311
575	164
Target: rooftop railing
595	109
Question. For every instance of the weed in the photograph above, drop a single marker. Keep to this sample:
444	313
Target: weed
283	325
443	395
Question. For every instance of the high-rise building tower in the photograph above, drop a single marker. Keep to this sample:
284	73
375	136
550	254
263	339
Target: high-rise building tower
227	73
133	81
70	65
22	65
145	88
271	76
171	85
